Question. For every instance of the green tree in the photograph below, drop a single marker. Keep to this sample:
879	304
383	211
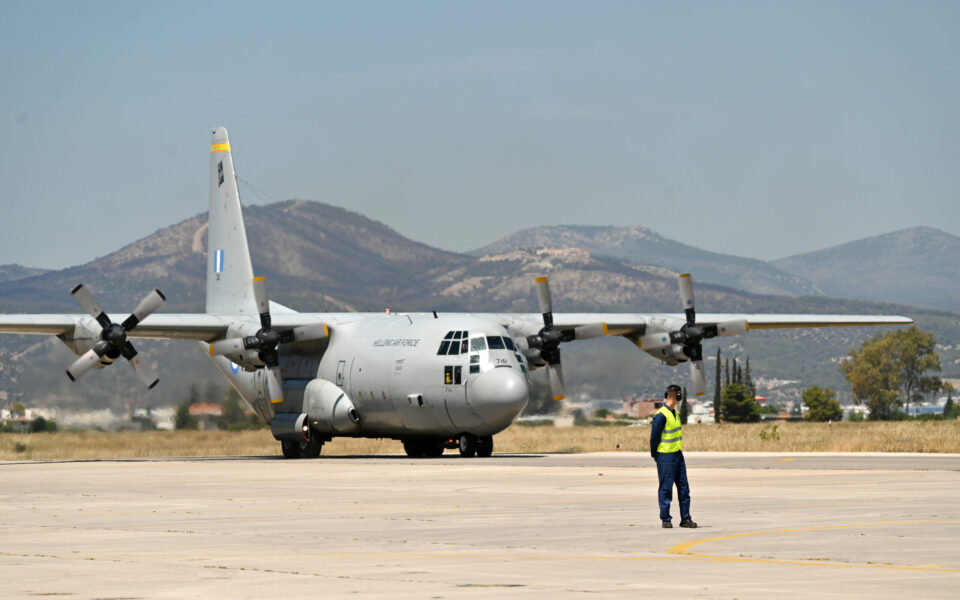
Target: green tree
917	354
684	407
41	425
748	379
18	409
234	416
738	405
822	404
716	391
183	419
950	409
890	368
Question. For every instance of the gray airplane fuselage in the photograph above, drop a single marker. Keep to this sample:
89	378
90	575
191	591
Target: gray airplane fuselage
405	375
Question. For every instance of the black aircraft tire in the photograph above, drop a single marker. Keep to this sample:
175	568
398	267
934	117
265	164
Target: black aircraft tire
310	449
414	448
485	446
433	448
290	449
468	445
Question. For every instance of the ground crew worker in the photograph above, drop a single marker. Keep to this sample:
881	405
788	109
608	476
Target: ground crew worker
666	441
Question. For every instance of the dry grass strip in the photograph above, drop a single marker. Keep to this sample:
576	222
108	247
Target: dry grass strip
914	436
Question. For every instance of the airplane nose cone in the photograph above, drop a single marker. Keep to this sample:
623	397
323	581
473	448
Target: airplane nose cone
498	396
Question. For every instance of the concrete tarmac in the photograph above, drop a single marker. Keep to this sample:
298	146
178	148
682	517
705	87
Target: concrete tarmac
510	526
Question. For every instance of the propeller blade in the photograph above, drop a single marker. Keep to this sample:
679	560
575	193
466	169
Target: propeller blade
699	379
87	361
144	371
85	299
592	330
555	372
228	346
732	327
274	385
686	297
546	302
654	341
262	299
149	304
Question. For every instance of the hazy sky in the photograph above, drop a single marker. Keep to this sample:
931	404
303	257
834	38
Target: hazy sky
759	129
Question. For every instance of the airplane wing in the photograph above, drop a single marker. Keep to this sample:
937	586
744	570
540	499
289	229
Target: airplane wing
200	327
628	324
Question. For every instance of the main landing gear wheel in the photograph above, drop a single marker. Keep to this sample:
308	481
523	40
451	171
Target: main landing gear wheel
415	448
290	449
468	445
423	448
311	448
485	446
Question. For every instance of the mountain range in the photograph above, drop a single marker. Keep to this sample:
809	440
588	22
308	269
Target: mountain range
918	266
318	257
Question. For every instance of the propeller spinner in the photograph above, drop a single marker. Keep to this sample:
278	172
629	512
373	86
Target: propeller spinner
113	337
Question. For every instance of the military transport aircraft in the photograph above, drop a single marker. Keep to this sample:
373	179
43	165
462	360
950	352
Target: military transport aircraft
432	381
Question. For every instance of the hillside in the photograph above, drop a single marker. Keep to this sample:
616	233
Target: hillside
918	266
14	272
641	245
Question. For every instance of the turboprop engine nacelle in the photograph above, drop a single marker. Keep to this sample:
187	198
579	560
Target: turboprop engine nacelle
83	337
329	407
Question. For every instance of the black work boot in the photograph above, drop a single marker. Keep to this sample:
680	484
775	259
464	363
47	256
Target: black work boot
667	525
688	522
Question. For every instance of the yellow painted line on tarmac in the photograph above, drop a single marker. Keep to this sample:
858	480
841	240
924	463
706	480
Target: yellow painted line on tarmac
684	548
787	460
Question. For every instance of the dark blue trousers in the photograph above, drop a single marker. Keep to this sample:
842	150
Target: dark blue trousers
671	469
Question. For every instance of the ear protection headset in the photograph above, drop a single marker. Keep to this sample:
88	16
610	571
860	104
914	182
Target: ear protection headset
672	388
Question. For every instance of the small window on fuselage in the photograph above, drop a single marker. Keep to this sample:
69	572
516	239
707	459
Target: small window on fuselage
477	344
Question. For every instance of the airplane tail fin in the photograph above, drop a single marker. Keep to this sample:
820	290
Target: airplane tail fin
229	270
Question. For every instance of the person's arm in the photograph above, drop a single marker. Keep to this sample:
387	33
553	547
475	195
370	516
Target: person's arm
656	431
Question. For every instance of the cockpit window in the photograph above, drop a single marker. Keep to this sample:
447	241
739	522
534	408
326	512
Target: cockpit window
509	342
477	344
444	345
495	342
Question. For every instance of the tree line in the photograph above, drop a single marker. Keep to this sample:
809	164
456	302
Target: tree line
886	373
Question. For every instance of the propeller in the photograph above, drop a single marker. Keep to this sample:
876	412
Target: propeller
548	340
691	335
113	337
266	340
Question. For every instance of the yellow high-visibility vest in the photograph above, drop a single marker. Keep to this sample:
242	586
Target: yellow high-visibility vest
672	438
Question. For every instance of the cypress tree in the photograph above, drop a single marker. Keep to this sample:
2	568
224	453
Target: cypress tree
748	380
716	391
726	375
684	407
